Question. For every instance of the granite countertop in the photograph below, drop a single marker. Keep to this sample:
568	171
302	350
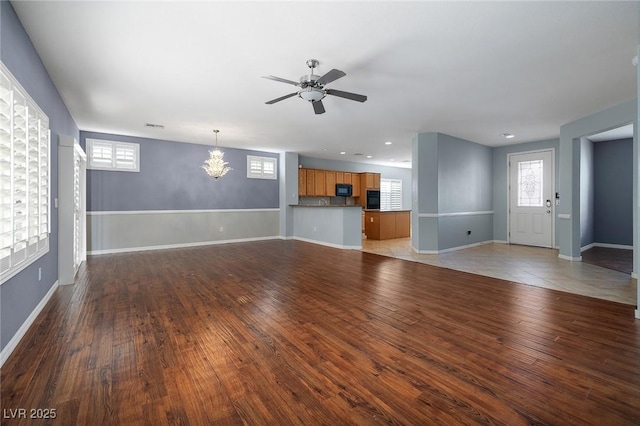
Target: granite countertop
385	211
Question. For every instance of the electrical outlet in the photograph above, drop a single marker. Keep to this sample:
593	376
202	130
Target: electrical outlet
39	274
222	229
315	229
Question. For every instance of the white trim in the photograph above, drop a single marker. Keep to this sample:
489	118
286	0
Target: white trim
11	345
607	245
564	216
179	245
500	242
24	264
634	275
569	258
324	243
481	243
455	214
638	313
132	212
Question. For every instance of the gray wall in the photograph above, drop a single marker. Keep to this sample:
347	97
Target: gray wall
185	206
570	134
613	190
501	179
350	166
171	178
20	295
452	193
586	193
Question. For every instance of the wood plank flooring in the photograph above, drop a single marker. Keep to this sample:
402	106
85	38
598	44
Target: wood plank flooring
287	332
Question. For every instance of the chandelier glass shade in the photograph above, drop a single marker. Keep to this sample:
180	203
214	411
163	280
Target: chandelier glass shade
215	166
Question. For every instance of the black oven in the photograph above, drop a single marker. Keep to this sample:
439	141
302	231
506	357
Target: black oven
373	199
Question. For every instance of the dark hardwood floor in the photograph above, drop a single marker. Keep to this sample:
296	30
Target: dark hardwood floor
620	260
286	332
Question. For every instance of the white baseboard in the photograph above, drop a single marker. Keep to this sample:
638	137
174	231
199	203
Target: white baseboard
181	245
11	345
637	313
569	258
324	243
606	245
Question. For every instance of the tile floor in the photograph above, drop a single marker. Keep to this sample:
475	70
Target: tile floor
535	266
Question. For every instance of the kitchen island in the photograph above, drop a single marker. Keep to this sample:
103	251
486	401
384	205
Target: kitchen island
387	224
330	225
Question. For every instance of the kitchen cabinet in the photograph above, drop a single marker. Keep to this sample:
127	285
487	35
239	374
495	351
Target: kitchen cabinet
302	182
311	182
339	177
356	186
386	225
320	185
330	183
369	181
347	178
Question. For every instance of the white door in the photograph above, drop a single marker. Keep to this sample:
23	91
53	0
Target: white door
531	201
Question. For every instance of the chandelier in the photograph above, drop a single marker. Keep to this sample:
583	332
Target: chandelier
215	166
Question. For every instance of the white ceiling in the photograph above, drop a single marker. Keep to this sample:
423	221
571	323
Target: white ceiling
474	70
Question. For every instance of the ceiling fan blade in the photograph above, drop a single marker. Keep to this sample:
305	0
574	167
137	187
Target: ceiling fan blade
281	80
281	98
346	95
318	107
332	75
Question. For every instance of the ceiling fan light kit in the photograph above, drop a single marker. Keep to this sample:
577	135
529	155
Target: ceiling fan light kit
312	87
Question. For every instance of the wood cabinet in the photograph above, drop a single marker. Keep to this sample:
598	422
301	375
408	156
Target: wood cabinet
385	225
320	185
311	182
330	183
369	181
347	178
356	186
302	182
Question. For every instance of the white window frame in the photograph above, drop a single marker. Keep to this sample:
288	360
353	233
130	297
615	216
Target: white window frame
113	163
25	157
390	194
264	164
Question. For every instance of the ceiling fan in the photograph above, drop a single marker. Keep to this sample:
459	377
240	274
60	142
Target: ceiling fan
312	87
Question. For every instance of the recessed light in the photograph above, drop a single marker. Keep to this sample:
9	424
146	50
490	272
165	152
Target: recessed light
388	143
342	152
369	156
508	136
392	159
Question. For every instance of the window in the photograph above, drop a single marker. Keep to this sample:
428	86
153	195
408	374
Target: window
24	178
262	167
112	155
530	183
390	194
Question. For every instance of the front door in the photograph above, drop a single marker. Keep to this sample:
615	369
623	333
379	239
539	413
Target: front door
531	201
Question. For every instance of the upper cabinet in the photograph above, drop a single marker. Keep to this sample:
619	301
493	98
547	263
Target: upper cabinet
322	183
370	181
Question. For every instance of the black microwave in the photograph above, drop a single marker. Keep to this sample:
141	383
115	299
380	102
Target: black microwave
344	190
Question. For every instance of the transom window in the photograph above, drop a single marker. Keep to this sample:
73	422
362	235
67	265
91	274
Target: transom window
112	155
262	167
